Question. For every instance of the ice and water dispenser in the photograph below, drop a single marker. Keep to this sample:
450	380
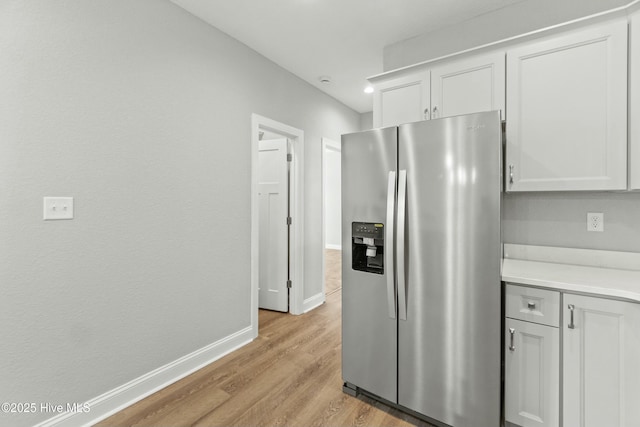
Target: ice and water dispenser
367	246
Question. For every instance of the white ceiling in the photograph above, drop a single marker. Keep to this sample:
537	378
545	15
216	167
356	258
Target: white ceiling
342	39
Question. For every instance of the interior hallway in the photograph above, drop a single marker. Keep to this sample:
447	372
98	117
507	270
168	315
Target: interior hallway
289	376
332	271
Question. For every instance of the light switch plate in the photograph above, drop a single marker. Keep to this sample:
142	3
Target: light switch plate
58	208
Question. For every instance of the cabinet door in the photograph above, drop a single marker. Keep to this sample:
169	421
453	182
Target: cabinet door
471	85
401	100
532	378
634	103
601	362
567	111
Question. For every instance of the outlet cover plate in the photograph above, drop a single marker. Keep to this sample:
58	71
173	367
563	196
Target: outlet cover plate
595	221
57	208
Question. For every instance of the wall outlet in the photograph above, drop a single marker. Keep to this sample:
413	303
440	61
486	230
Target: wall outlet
595	221
57	208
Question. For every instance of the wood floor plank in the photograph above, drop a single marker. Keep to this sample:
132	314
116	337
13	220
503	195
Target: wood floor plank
333	270
289	376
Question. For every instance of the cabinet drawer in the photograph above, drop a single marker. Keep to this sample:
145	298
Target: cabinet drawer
533	305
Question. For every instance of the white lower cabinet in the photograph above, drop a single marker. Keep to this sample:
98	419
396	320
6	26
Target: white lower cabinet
601	362
532	357
595	351
532	374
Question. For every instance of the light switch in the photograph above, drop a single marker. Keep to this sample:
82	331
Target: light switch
58	208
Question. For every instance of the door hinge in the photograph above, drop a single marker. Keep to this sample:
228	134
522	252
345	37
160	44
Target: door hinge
289	220
289	284
289	157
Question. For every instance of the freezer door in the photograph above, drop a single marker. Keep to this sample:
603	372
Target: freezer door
369	328
449	347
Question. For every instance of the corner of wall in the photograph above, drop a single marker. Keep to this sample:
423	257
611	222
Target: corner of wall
313	302
109	403
366	121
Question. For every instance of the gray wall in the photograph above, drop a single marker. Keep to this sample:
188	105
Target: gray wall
143	114
520	18
560	219
366	121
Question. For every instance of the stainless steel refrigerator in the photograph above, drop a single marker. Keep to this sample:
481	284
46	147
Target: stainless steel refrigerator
421	289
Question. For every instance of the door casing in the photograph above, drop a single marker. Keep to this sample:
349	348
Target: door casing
296	136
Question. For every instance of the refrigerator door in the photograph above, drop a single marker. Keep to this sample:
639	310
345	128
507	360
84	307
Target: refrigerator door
449	363
369	328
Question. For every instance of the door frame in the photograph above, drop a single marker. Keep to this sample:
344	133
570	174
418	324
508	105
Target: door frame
327	144
296	266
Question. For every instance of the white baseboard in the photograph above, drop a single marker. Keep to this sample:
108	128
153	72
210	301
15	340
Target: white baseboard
313	302
127	394
336	247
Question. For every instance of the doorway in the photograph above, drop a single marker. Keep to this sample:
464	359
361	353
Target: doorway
332	215
265	126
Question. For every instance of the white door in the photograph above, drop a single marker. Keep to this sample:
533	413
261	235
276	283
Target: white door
273	230
470	85
532	374
404	99
601	362
567	111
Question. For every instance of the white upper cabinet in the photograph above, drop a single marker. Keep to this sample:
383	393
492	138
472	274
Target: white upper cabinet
567	111
401	100
469	85
601	369
451	88
634	103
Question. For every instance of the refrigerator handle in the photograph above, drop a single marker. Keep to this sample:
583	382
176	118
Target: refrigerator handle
388	252
402	204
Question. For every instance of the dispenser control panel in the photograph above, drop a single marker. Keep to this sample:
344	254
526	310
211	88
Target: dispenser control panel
367	246
367	229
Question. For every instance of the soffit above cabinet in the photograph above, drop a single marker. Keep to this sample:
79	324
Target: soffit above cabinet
508	42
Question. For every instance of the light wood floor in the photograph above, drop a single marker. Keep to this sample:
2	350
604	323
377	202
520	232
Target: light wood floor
289	376
332	271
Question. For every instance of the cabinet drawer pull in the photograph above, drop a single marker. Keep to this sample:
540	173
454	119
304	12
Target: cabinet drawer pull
512	331
531	305
510	174
571	309
434	115
426	114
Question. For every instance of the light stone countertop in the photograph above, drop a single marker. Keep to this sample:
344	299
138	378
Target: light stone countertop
602	273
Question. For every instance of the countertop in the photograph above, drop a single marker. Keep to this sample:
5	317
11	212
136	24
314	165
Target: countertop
602	273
